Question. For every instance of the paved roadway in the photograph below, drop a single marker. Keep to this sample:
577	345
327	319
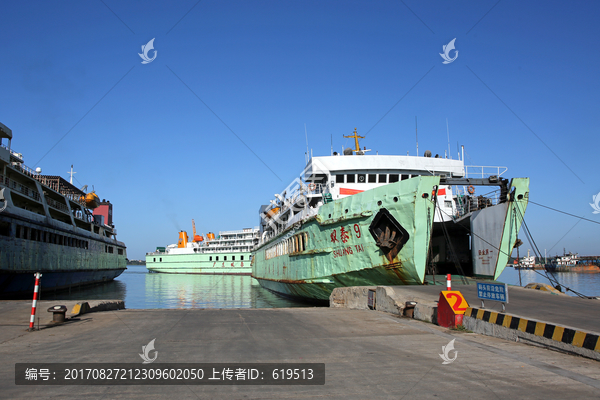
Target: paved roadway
368	354
543	306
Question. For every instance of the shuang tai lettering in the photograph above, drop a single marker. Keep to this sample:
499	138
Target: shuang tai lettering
342	252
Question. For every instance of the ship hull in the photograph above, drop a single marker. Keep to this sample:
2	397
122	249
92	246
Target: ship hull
309	259
237	263
64	255
14	284
346	243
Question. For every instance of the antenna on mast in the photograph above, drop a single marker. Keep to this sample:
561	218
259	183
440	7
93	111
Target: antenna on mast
71	173
306	134
417	136
448	131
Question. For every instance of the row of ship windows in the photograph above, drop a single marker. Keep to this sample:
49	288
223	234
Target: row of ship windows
111	250
216	258
292	245
38	235
371	178
25	232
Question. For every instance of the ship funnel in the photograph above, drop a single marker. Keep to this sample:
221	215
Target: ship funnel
183	239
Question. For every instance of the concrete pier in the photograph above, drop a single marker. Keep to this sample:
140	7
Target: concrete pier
557	321
368	354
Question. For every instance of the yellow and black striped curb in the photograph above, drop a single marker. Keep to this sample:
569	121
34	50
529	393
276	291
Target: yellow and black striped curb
561	334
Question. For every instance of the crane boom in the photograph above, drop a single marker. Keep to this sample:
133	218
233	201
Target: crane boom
196	237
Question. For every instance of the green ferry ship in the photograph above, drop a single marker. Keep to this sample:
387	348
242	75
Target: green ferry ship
362	220
229	253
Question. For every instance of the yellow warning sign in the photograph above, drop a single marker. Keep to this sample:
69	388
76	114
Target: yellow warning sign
456	301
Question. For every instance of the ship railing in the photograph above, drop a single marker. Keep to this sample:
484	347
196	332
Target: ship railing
20	188
252	232
13	153
55	204
319	188
475	171
466	203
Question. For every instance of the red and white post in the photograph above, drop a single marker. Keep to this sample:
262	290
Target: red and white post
35	298
449	282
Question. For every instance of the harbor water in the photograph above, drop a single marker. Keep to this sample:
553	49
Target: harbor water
585	283
143	290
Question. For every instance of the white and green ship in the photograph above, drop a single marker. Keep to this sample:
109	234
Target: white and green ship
229	253
361	220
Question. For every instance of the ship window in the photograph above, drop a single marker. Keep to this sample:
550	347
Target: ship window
25	232
224	258
393	178
372	178
382	178
250	257
448	203
403	177
110	249
160	259
350	178
154	259
362	178
5	228
242	258
217	258
339	178
210	258
232	258
120	251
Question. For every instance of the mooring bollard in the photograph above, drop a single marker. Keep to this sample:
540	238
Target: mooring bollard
58	316
409	309
449	282
35	297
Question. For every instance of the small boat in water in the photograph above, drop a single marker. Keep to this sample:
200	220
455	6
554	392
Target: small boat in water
573	263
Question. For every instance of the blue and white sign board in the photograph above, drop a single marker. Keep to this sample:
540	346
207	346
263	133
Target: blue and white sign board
493	291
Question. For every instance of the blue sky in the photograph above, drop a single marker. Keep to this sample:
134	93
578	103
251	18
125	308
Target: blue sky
143	136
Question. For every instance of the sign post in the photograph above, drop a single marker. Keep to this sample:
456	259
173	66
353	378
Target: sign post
494	292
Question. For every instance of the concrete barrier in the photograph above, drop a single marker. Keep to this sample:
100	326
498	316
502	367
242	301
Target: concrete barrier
387	300
355	297
511	327
85	307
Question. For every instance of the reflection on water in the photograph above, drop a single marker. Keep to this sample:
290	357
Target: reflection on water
585	283
143	290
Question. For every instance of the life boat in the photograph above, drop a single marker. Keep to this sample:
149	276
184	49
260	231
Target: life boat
91	200
272	212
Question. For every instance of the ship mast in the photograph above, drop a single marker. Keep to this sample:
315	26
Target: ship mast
355	137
